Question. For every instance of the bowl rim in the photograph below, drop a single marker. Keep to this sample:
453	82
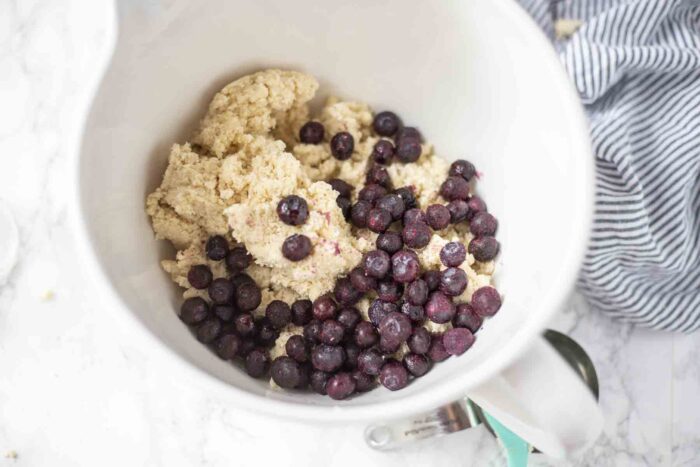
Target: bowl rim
511	12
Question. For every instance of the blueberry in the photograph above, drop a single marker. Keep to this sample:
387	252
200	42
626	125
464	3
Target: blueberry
392	203
415	313
466	317
416	235
342	145
408	196
453	254
267	334
416	364
393	376
417	292
405	266
302	312
199	276
318	381
419	341
378	309
459	210
362	281
365	334
363	382
332	332
388	345
327	357
247	346
340	386
389	291
462	168
390	242
248	296
305	376
239	278
285	372
413	216
409	132
359	212
486	301
346	293
244	324
227	346
453	281
224	312
352	352
386	123
209	330
437	352
383	152
371	193
216	248
395	327
432	278
483	224
457	340
324	307
378	175
345	206
476	204
296	247
438	216
484	248
439	308
312	332
221	291
343	188
408	148
376	263
293	210
279	313
378	220
455	188
370	362
297	348
194	310
238	258
256	362
312	133
349	317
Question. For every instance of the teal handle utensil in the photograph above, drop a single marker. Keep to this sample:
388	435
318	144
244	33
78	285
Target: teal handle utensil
517	449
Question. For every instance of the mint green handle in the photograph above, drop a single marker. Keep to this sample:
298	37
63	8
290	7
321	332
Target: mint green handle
517	449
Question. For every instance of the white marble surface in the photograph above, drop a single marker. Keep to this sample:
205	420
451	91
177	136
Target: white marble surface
74	391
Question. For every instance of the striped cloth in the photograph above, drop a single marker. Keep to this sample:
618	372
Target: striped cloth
636	66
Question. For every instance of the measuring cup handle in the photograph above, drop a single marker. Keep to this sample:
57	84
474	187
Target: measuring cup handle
541	399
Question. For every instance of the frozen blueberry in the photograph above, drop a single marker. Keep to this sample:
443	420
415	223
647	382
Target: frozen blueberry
297	348
453	254
419	341
227	346
332	332
216	248
224	312
305	379
390	242
378	175
247	346
408	149
416	235
302	312
483	224
454	188
383	152
248	296
267	334
238	258
194	310
318	381
346	293
327	357
438	216
486	301
257	362
395	327
312	331
362	281
285	372
457	340
459	210
199	276
363	382
371	193
343	188
376	263
279	313
408	196
415	313
437	352
417	292
378	220
393	375
209	330
312	133
414	215
342	145
389	291
324	307
476	204
239	278
345	206
432	278
386	123
484	248
359	212
352	352
453	281
405	266
439	308
378	309
392	203
370	362
365	334
244	324
340	386
409	132
349	317
466	317
388	345
296	247
293	210
416	364
462	168
221	291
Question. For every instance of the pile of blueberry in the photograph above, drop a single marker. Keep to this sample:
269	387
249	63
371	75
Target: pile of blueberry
339	353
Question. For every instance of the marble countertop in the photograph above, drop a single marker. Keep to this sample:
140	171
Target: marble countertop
75	392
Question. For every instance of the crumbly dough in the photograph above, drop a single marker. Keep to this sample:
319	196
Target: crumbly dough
245	156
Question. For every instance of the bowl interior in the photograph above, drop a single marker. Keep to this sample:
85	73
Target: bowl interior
476	78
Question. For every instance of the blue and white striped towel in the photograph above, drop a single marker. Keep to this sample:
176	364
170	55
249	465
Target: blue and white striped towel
636	66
